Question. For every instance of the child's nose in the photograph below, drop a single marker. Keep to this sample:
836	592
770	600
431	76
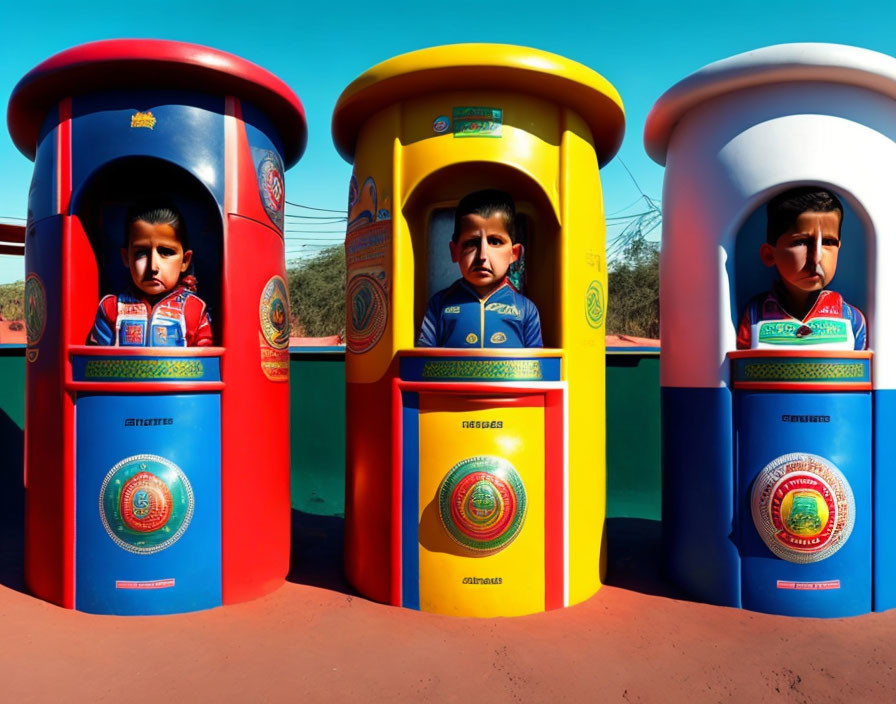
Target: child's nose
815	251
154	260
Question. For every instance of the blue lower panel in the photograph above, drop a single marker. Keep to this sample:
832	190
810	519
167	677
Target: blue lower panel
698	494
836	428
884	495
148	492
410	502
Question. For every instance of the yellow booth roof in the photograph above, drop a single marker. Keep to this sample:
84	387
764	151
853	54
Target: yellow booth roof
483	66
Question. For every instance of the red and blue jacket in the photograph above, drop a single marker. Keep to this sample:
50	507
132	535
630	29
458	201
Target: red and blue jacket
831	324
178	319
457	317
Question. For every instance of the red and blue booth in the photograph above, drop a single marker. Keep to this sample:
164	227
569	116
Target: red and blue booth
157	478
778	463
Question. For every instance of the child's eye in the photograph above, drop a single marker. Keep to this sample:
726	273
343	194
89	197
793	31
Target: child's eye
495	241
140	253
165	251
830	242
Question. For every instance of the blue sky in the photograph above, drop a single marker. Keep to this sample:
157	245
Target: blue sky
641	47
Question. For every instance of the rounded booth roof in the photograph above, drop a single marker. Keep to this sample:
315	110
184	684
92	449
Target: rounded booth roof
782	63
483	66
118	64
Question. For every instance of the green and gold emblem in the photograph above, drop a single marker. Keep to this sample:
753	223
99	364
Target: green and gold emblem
594	304
273	313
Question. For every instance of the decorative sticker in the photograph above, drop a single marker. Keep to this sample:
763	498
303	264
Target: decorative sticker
143	119
477	122
146	503
35	309
273	312
441	124
819	331
271	187
368	254
368	313
803	507
482	504
273	340
594	304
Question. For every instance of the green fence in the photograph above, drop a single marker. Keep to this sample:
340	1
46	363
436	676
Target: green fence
317	425
633	436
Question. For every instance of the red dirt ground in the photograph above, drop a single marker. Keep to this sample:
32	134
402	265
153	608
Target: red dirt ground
313	644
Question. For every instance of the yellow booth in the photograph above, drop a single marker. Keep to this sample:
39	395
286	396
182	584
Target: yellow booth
476	476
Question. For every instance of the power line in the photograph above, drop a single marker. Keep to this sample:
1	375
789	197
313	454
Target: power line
308	207
316	217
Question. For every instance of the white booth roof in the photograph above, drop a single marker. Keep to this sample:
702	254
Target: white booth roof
782	63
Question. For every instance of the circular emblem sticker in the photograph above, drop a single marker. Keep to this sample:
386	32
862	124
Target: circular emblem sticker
368	314
482	504
803	507
35	309
273	312
146	503
441	124
271	187
594	304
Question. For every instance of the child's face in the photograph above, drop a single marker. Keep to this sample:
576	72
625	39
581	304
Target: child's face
484	251
806	254
155	257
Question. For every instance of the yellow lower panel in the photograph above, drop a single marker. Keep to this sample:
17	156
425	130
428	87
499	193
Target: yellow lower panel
455	579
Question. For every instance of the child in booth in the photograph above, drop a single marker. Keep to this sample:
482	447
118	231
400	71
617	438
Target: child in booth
482	308
161	309
803	242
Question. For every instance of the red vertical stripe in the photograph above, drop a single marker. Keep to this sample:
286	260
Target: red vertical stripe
255	506
63	201
553	500
395	587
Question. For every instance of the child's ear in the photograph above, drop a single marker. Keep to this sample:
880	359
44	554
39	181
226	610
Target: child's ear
124	257
517	252
767	254
188	256
455	255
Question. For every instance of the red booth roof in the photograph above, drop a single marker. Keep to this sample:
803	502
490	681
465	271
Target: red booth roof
117	64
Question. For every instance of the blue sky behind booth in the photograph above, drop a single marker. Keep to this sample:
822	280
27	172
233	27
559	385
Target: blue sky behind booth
642	48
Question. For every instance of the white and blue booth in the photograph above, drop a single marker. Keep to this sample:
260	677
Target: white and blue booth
779	466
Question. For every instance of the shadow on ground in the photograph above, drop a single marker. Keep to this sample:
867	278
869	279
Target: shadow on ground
316	554
635	557
12	504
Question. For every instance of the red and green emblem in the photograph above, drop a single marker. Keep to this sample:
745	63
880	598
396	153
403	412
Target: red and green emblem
146	503
482	504
271	187
803	507
35	309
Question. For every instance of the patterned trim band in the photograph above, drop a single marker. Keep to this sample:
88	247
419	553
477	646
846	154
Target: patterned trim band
507	370
144	369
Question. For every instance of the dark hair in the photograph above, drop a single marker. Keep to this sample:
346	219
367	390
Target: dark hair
485	204
156	214
783	210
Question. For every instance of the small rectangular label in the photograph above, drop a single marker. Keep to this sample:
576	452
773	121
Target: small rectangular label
477	121
151	584
809	586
